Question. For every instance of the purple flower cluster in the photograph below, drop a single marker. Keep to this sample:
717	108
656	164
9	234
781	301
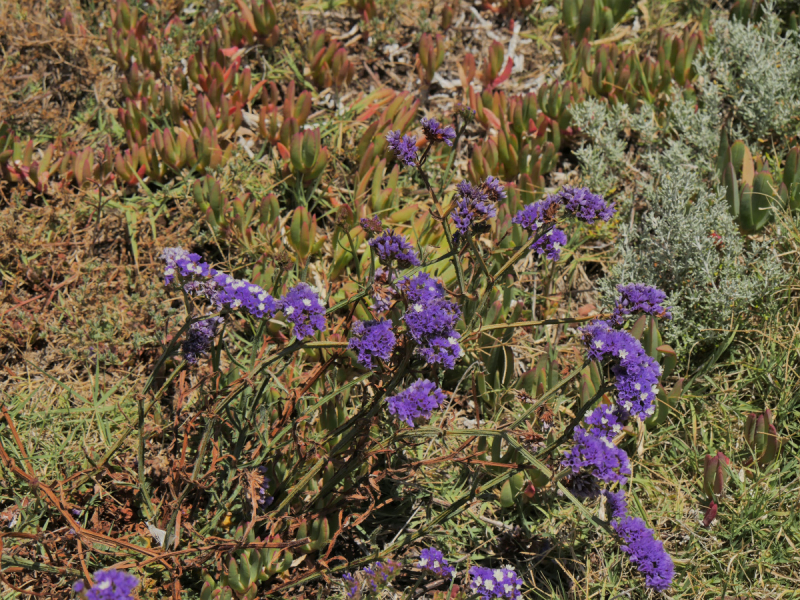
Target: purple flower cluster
580	203
302	308
639	542
235	293
180	261
550	243
638	297
432	561
476	203
467	113
264	499
417	401
434	132
584	205
404	147
594	448
432	325
373	578
496	583
421	288
372	339
200	337
109	585
431	320
391	247
635	373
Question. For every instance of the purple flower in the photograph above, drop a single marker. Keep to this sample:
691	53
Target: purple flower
372	225
264	499
351	587
476	204
404	147
639	542
550	243
534	216
302	307
432	561
379	574
417	401
391	247
421	288
434	132
372	339
200	338
495	583
638	297
635	373
109	585
443	351
436	318
465	112
181	262
594	448
235	293
584	205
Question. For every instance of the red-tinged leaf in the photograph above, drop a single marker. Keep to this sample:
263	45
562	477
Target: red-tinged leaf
710	515
283	151
492	119
505	74
229	52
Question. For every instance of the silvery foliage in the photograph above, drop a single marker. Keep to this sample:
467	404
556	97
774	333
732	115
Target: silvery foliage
757	69
687	244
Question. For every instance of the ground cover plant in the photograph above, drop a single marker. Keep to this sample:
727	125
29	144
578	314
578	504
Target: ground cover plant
368	299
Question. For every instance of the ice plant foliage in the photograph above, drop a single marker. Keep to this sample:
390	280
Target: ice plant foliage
301	307
432	561
371	340
109	585
418	401
638	541
493	584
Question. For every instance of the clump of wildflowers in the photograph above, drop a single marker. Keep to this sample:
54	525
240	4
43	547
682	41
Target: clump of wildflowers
496	583
235	293
638	297
109	585
434	132
476	204
403	146
418	401
263	499
584	205
580	203
432	561
550	243
200	337
435	318
372	339
595	450
373	578
394	248
441	350
184	263
421	288
639	542
635	373
302	307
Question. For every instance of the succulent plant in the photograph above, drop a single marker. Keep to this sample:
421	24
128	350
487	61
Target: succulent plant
328	62
246	568
761	438
593	19
430	56
715	475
